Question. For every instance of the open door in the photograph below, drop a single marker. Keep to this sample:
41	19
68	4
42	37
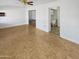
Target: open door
32	18
54	21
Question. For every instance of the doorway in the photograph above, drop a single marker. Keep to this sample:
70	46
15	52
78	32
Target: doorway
54	21
32	18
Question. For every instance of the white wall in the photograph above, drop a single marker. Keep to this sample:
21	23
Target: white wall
42	15
14	16
33	7
16	13
69	20
10	3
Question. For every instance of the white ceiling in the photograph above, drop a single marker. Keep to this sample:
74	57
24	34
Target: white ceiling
42	1
15	2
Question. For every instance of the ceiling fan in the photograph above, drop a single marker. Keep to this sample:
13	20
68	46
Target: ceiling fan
26	2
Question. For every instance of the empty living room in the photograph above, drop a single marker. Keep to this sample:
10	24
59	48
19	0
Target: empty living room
39	29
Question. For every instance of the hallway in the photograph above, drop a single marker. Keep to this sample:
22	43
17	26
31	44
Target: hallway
27	42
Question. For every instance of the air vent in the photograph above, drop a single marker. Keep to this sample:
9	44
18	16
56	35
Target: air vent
2	14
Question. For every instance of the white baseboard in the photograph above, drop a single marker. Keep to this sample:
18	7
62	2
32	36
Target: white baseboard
42	29
74	41
12	25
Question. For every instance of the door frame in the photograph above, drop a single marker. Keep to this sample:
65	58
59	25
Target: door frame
29	17
49	19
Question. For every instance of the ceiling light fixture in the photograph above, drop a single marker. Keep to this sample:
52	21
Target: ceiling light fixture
26	2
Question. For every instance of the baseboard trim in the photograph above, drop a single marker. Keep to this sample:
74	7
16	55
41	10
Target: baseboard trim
73	41
12	25
42	29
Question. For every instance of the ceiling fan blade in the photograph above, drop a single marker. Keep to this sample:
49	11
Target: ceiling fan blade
30	3
27	2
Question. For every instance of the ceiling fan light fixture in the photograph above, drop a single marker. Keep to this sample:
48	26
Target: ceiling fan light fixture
26	2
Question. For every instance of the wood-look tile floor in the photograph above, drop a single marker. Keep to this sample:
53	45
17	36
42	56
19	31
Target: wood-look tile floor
55	30
26	42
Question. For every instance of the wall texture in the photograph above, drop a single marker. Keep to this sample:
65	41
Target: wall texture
10	3
15	11
42	15
69	20
13	16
